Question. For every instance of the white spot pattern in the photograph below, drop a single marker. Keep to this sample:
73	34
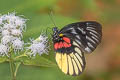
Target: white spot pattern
88	38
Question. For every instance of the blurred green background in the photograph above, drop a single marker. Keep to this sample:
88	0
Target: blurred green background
102	64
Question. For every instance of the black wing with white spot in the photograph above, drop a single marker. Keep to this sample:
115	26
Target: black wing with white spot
86	34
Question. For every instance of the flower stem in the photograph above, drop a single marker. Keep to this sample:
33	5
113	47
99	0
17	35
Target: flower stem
16	69
13	77
23	55
11	62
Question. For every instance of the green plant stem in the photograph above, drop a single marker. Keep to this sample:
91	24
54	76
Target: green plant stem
23	55
13	77
17	66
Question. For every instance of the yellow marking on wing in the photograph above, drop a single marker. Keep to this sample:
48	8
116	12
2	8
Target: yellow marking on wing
64	63
74	43
78	63
72	55
79	58
60	35
59	59
70	65
75	67
78	51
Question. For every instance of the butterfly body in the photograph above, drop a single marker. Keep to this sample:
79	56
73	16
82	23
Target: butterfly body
72	41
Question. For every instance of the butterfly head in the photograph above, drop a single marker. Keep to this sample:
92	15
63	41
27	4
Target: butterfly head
56	35
55	29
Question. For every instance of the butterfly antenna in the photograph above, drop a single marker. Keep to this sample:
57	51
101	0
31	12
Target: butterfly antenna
47	32
51	17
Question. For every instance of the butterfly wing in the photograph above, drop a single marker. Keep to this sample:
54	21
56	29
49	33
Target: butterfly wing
86	34
82	37
72	63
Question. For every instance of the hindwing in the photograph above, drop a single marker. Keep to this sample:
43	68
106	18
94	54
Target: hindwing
72	63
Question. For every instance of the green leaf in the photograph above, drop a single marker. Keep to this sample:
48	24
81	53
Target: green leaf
39	61
2	59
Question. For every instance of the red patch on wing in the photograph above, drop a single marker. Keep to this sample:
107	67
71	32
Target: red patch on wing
69	45
66	39
56	45
66	44
61	45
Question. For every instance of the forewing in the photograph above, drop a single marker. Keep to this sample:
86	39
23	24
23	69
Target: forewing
86	34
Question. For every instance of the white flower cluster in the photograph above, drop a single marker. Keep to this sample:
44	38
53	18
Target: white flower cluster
11	28
39	46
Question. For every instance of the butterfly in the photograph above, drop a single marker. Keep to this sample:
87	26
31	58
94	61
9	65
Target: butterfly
72	41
